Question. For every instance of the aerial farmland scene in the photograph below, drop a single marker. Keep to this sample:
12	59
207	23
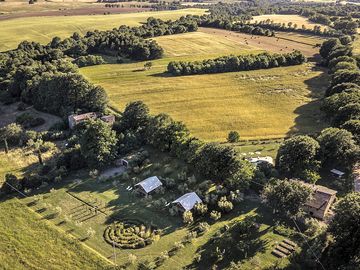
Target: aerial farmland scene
179	134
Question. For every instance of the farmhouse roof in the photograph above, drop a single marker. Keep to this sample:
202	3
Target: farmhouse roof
337	172
258	160
84	116
321	197
149	184
188	200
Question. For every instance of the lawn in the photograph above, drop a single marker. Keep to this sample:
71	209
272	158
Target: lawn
43	29
117	203
30	242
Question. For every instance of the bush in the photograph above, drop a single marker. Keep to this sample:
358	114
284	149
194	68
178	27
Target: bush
233	137
225	205
89	60
215	215
188	217
58	126
27	120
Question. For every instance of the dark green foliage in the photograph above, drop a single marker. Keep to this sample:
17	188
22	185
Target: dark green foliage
286	196
11	184
233	137
345	229
337	147
63	94
98	144
135	116
298	155
217	162
353	126
89	60
236	63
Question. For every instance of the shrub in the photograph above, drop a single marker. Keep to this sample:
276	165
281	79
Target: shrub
203	227
200	209
188	217
215	215
233	137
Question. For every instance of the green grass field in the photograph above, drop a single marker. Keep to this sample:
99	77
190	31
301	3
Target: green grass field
43	29
258	104
30	242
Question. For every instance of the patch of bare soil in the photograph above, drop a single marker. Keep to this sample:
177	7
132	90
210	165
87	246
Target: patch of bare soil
271	44
8	114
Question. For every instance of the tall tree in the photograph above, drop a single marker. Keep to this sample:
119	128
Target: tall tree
345	249
298	155
98	144
286	196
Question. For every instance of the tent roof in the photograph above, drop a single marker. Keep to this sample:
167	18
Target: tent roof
188	200
149	184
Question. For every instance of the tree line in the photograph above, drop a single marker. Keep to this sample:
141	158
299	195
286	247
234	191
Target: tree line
236	63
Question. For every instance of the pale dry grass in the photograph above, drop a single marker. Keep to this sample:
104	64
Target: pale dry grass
277	18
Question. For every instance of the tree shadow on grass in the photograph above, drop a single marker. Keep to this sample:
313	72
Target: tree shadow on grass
310	119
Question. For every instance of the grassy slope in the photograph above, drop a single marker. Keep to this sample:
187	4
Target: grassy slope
27	242
43	29
259	104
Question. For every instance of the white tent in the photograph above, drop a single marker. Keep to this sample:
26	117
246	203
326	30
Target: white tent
188	200
149	184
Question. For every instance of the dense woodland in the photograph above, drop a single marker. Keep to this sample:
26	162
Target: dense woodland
236	63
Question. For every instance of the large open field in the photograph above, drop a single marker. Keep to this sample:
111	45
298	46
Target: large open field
259	104
43	29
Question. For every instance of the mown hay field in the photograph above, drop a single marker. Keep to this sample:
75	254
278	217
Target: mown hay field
279	18
43	29
258	104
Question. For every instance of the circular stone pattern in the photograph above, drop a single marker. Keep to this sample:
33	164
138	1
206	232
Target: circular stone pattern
130	234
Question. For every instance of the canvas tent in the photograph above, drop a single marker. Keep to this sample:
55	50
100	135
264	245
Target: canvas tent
187	201
148	185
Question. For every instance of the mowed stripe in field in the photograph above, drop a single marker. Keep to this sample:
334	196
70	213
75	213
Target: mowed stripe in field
43	29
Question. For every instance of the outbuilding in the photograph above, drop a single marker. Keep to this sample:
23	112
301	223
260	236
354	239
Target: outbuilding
148	185
187	201
337	173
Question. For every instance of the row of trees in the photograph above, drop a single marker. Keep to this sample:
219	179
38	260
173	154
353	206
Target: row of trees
236	63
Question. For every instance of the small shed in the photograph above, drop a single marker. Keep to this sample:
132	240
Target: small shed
259	160
148	185
187	201
337	173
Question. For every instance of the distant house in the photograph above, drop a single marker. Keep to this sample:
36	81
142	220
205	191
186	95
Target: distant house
110	119
77	119
259	160
322	199
337	173
187	201
148	185
356	175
